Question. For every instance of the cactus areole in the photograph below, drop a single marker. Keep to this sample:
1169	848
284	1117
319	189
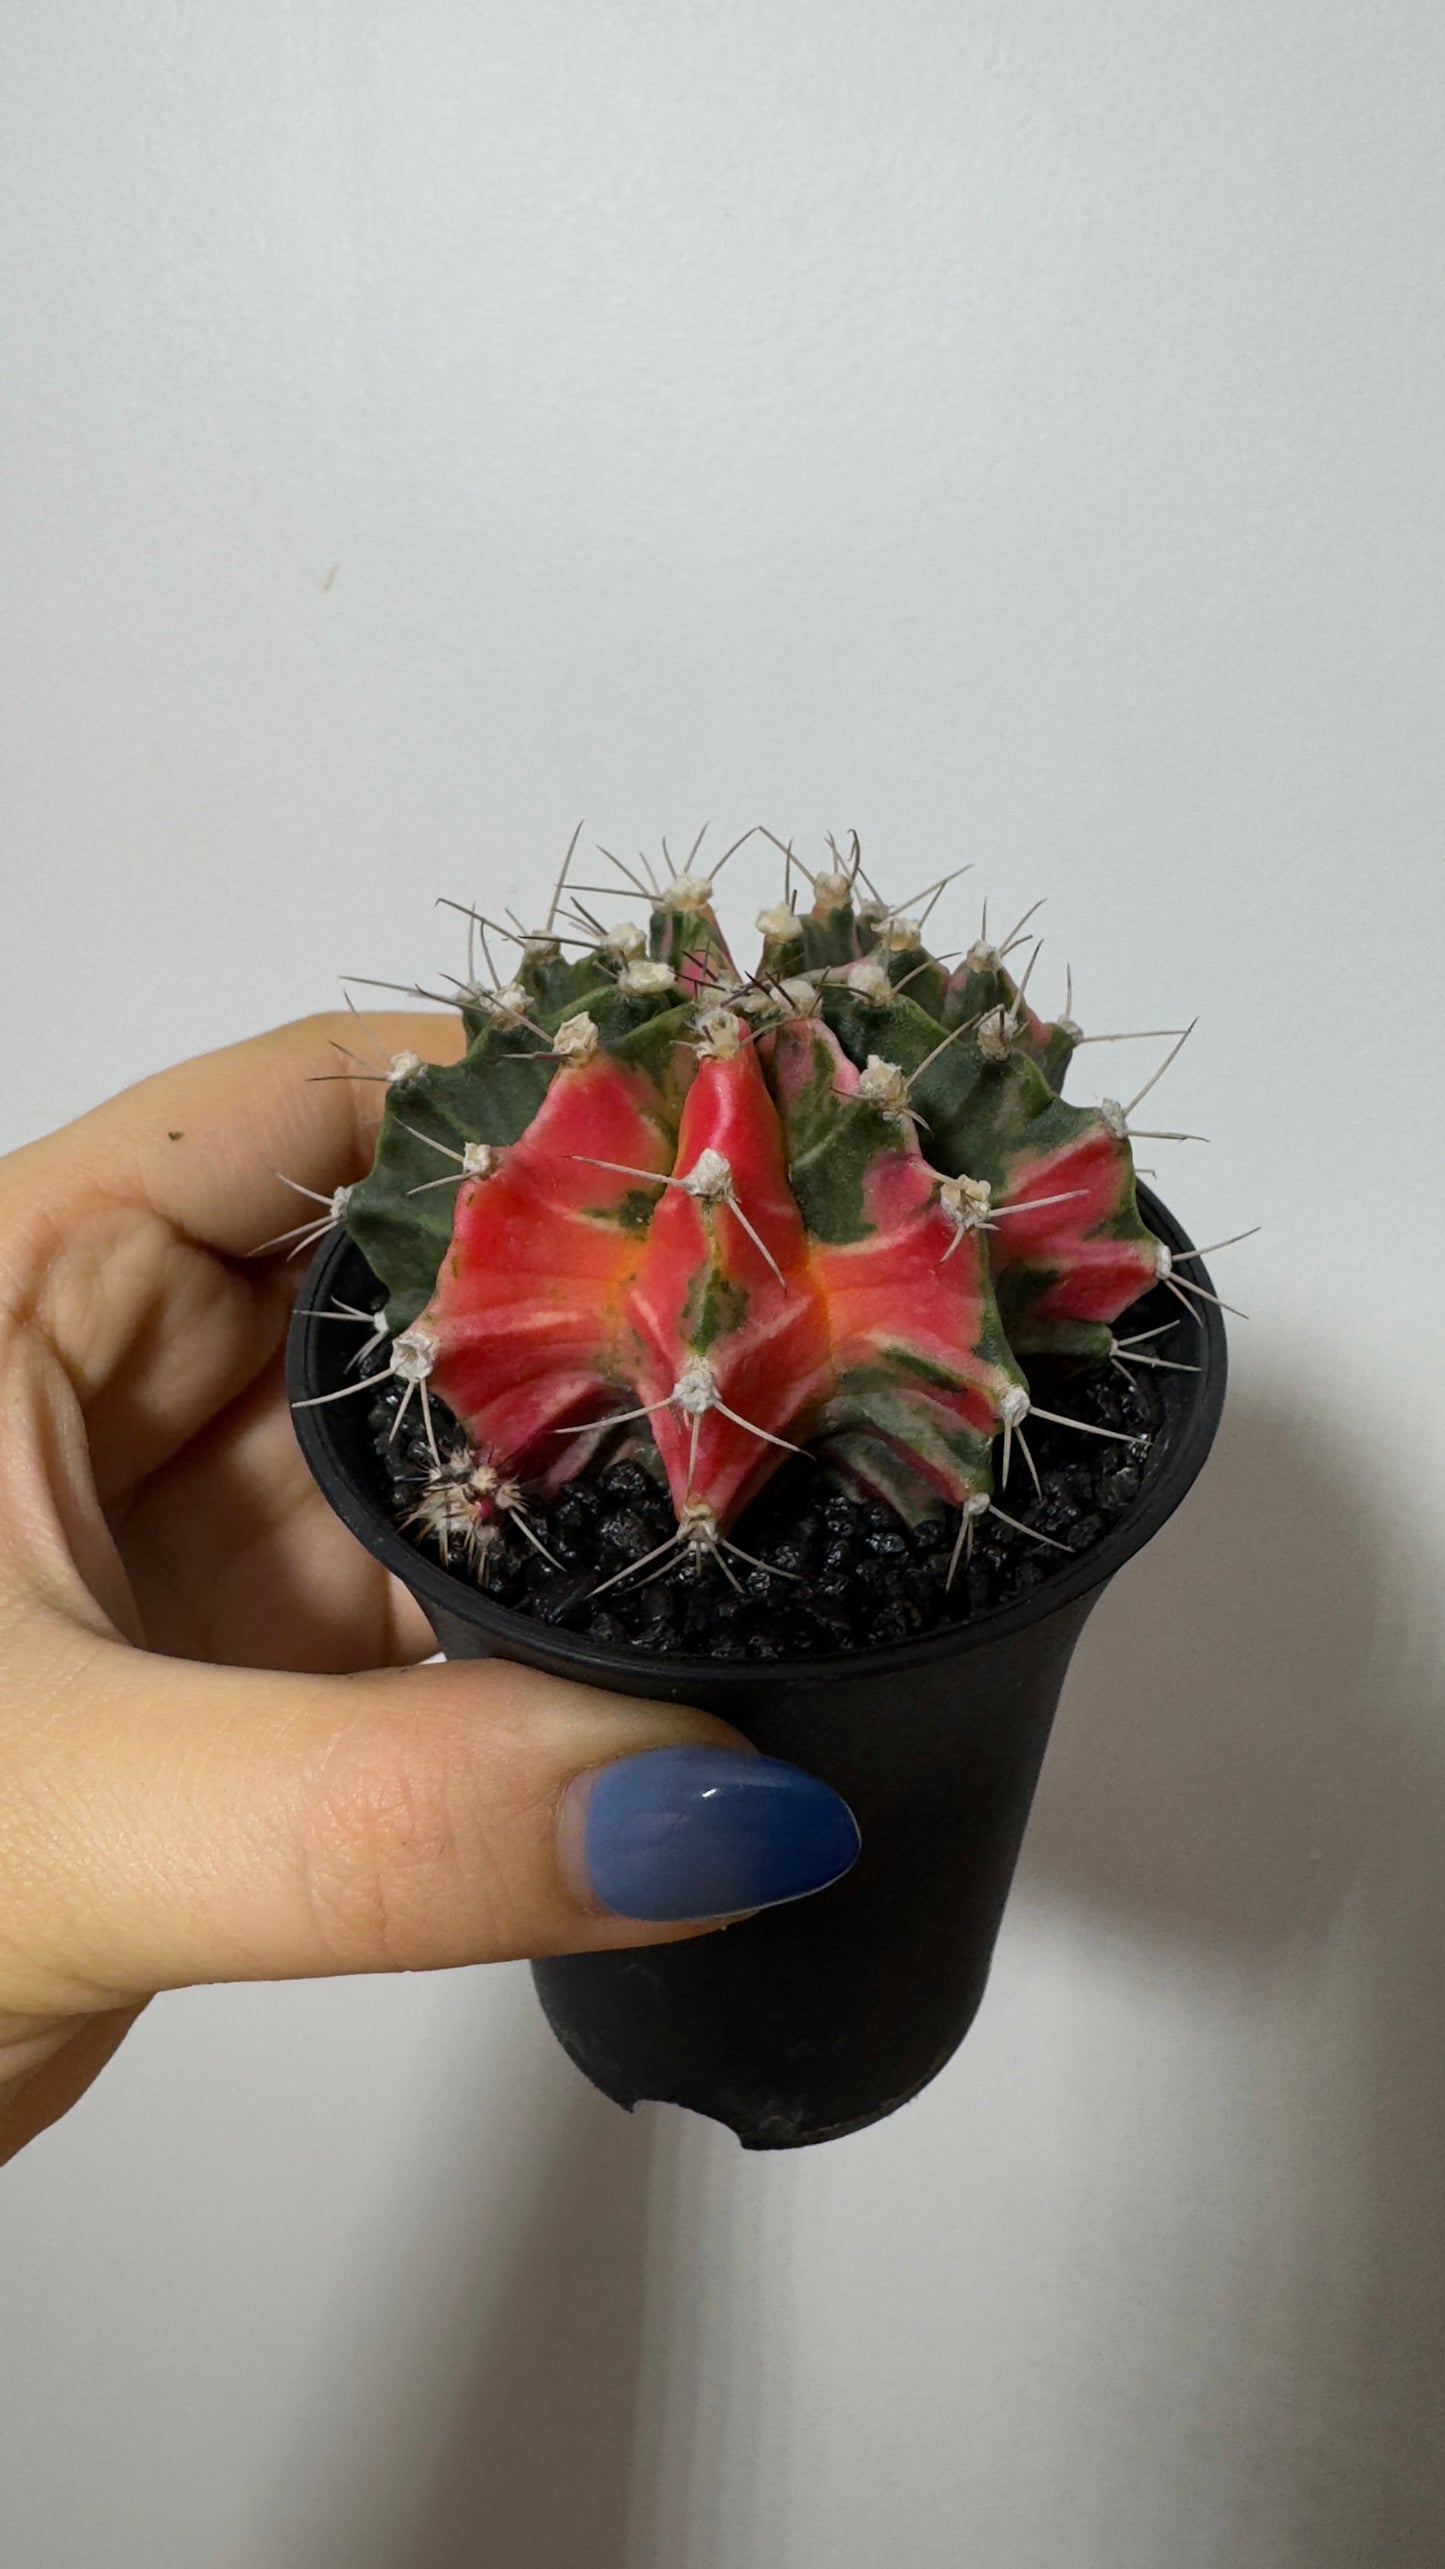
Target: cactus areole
665	1212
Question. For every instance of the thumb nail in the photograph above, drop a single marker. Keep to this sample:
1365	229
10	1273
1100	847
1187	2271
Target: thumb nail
699	1832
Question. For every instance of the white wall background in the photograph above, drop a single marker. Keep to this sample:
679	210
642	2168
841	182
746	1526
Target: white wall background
1016	430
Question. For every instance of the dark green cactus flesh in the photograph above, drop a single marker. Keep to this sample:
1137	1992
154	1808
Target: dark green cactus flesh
834	1207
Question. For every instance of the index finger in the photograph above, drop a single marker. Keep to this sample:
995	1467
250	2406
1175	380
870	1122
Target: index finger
208	1147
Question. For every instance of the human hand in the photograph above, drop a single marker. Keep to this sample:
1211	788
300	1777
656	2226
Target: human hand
220	1762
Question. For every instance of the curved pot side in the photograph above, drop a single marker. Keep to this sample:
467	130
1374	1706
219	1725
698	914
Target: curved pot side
815	2019
811	2020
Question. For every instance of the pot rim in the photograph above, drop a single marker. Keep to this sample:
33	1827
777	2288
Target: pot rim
1175	1460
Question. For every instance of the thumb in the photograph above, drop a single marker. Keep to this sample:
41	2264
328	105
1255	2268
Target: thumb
168	1823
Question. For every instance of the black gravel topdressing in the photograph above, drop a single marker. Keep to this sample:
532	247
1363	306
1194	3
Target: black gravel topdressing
837	1573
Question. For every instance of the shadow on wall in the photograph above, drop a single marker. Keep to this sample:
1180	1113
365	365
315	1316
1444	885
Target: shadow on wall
536	2464
477	2408
1251	1759
1244	1763
1233	1735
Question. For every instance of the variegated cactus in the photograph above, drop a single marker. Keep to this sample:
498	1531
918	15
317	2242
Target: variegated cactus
838	1206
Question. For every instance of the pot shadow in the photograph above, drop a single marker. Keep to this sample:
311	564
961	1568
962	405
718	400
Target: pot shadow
1251	1762
1233	1736
1242	1767
537	2465
480	2409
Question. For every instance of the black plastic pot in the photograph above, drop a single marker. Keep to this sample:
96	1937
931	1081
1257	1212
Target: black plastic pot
812	2020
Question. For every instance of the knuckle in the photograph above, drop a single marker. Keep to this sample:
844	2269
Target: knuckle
399	1869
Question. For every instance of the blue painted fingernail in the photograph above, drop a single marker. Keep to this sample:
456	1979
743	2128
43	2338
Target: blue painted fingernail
708	1832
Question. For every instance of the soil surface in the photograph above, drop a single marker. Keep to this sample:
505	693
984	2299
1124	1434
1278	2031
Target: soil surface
828	1573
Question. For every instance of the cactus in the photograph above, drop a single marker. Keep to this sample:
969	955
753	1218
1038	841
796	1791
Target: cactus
839	1206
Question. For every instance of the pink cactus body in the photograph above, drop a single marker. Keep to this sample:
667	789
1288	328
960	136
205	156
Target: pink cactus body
528	1309
733	1294
917	1355
1082	1257
834	1221
908	1307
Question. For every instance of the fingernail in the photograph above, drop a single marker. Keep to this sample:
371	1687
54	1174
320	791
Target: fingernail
707	1833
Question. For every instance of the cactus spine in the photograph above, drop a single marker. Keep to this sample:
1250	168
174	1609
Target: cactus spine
838	1206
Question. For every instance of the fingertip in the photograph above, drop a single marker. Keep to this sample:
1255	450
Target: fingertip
698	1831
